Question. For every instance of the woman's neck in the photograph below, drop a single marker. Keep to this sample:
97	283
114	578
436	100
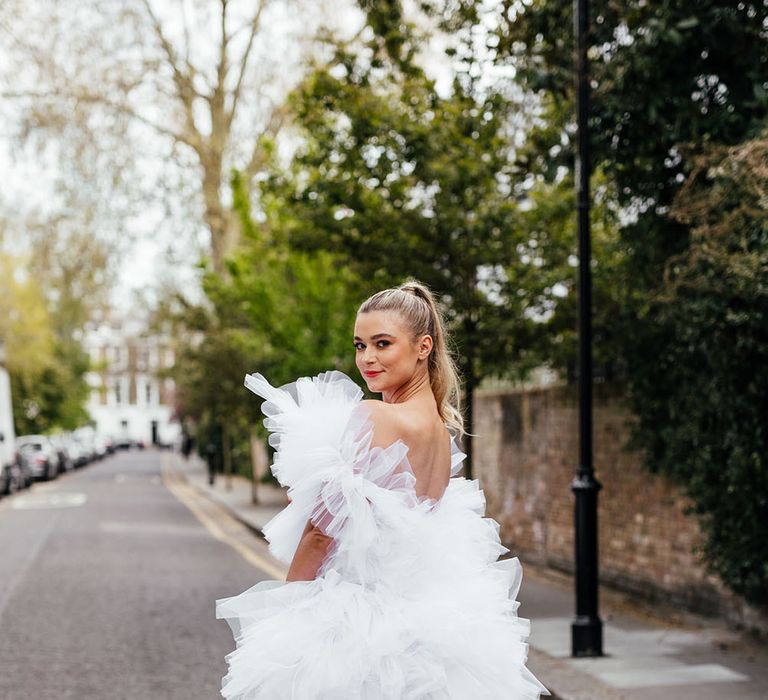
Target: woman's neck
417	388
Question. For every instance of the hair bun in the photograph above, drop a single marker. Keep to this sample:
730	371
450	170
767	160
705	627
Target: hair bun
416	288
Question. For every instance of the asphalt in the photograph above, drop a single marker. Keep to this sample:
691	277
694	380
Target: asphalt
650	653
108	578
107	588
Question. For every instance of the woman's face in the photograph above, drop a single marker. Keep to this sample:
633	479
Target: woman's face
385	353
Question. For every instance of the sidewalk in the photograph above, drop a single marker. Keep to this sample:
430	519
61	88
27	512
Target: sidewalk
647	657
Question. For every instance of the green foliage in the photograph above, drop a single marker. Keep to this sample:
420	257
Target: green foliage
46	366
702	396
55	396
551	209
682	321
276	311
403	182
661	79
679	299
25	324
296	308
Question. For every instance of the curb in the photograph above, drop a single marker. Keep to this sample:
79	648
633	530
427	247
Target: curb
219	502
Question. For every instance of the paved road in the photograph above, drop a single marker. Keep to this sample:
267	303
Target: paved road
108	583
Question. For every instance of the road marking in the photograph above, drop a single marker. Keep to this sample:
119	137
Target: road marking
59	499
188	496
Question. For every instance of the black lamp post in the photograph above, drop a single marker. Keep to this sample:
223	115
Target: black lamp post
586	628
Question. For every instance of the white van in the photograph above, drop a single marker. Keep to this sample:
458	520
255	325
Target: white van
7	435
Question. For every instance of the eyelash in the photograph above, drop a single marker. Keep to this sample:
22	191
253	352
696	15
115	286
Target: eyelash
360	346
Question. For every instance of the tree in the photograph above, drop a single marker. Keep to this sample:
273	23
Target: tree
75	270
67	269
198	83
276	311
405	182
691	233
47	370
702	399
25	325
710	93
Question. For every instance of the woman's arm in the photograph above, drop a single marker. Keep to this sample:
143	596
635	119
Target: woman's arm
314	544
310	554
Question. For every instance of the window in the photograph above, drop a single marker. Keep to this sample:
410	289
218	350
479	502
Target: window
118	395
148	390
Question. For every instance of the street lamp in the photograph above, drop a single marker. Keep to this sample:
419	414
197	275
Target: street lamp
586	628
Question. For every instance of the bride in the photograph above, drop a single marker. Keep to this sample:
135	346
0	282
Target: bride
394	590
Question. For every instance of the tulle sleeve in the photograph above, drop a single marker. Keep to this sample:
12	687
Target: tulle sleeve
322	436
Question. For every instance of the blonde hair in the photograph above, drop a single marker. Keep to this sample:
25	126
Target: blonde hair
416	305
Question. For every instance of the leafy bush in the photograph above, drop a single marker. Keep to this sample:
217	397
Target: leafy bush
700	376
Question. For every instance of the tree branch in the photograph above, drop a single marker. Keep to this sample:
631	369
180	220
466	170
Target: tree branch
90	98
184	85
274	124
254	27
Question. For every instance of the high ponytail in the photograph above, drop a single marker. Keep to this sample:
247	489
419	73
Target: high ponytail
417	307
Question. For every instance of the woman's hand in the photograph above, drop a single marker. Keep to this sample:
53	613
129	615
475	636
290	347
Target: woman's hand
310	554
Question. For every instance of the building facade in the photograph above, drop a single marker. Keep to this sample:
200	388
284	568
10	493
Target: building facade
131	400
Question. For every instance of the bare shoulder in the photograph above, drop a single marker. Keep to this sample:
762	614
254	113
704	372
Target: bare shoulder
391	422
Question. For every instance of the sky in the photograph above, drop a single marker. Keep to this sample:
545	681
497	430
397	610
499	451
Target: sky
161	237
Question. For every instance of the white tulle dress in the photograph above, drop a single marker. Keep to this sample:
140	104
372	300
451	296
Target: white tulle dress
410	602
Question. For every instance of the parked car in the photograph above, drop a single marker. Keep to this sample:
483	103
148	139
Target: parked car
77	451
100	442
124	443
42	456
26	468
86	437
11	478
13	475
61	444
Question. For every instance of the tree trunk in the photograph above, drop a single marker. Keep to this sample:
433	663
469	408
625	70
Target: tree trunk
226	453
259	464
217	218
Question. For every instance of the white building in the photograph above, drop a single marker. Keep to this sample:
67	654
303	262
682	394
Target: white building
130	399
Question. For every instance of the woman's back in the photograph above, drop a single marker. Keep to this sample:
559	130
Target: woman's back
425	435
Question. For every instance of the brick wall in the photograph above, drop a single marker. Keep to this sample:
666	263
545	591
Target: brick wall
525	456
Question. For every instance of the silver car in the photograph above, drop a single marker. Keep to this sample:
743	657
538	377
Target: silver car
40	454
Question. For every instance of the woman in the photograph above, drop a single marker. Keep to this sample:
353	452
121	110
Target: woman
393	590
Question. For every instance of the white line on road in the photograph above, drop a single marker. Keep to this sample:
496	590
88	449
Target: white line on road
57	499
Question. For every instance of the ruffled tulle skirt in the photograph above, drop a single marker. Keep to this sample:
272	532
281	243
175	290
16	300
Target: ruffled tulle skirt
411	602
433	628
